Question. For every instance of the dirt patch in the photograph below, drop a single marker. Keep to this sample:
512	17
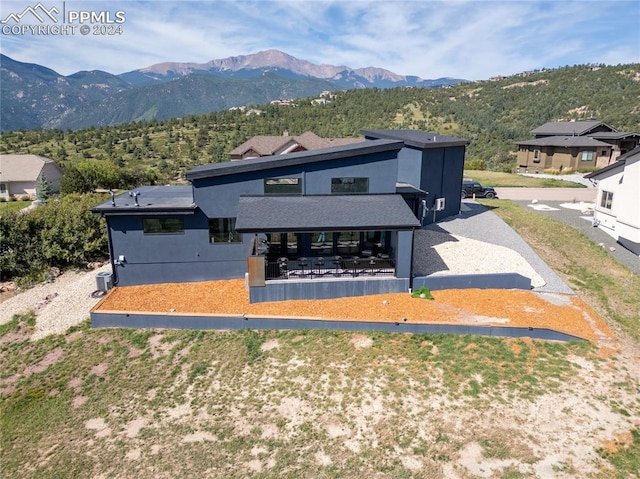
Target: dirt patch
563	313
269	345
361	341
99	370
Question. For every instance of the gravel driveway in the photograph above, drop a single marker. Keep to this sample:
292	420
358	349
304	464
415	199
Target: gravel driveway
479	230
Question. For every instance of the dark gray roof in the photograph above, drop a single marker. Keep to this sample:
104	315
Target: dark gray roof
613	135
290	159
324	213
565	142
621	161
560	128
416	138
152	199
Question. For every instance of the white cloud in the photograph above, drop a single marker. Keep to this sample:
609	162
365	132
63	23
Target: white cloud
473	39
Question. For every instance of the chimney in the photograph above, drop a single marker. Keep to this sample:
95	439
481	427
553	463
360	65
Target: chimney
285	133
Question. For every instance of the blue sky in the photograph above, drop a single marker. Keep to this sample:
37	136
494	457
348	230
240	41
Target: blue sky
470	39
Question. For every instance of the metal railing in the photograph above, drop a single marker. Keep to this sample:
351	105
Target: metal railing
329	267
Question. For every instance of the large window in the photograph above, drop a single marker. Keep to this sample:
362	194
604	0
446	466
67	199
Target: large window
606	199
587	155
282	186
349	185
223	230
162	226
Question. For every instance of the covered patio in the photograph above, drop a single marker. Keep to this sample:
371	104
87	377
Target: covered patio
330	236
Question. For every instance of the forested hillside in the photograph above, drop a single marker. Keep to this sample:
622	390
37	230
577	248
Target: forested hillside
491	114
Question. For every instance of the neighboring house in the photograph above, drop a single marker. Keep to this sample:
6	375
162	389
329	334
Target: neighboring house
318	209
617	208
19	175
277	145
574	144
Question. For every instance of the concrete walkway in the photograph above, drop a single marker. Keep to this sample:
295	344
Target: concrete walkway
547	194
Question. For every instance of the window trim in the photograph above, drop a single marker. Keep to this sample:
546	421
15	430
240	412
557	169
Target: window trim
162	231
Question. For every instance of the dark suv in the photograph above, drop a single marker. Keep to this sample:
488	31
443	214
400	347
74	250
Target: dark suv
470	188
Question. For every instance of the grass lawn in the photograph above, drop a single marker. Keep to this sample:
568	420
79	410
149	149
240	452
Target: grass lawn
511	180
608	286
6	206
164	404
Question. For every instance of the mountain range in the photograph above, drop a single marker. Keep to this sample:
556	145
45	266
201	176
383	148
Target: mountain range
34	96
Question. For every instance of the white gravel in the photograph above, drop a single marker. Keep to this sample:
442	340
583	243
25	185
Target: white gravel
469	256
69	307
573	177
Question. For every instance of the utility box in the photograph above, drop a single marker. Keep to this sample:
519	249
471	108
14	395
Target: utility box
104	281
256	265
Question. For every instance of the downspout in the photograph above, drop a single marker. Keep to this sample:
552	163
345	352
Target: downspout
413	235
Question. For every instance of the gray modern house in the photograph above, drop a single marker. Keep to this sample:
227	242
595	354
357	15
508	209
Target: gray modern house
336	221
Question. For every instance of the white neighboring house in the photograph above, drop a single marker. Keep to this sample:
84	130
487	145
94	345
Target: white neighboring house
19	175
617	209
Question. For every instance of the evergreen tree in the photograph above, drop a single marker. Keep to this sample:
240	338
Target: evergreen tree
43	189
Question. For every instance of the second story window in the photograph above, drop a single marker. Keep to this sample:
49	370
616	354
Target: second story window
349	185
282	186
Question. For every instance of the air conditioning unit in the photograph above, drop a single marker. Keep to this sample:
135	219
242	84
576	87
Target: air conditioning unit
439	204
104	281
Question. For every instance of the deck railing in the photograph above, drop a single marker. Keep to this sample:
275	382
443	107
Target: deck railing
329	267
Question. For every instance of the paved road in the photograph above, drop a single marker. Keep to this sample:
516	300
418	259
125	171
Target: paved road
547	194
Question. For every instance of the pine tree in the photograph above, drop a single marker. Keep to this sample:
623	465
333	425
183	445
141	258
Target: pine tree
43	189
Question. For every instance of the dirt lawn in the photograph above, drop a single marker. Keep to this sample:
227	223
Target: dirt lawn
239	404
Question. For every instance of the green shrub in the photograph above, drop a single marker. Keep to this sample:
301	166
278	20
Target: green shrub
62	233
422	292
2	199
474	164
25	198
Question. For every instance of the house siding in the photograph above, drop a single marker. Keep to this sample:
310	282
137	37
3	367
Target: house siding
174	258
189	256
437	171
559	158
622	221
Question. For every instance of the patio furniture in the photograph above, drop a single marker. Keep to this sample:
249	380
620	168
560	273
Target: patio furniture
302	264
336	261
372	266
283	267
355	266
319	265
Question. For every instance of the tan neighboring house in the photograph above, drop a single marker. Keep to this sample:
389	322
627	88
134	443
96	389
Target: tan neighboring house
617	209
263	145
19	175
574	144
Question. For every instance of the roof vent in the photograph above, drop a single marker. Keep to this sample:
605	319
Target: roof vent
134	195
